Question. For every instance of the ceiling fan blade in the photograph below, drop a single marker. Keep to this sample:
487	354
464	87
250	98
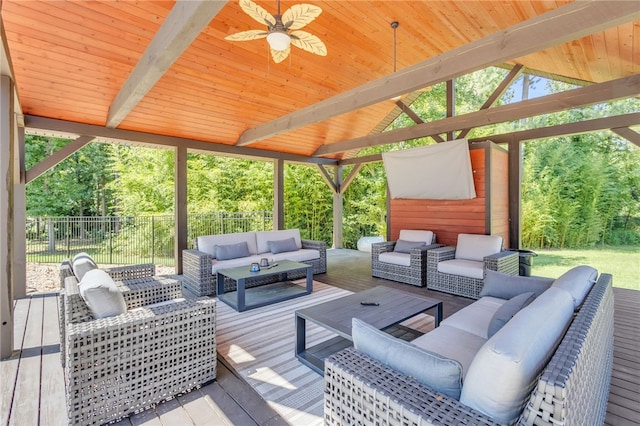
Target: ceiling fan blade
257	13
280	55
247	35
300	15
308	42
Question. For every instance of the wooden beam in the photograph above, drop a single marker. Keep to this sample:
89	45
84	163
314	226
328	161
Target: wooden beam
183	24
629	134
416	118
352	175
515	194
502	87
6	214
106	134
180	199
451	105
55	158
331	182
594	125
566	23
602	92
278	194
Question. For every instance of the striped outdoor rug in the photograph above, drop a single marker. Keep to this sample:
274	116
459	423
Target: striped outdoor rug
260	344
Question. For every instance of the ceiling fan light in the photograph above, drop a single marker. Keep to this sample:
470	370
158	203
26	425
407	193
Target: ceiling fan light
278	40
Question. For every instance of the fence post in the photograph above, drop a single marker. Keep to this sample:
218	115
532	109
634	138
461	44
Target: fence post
68	233
111	241
153	239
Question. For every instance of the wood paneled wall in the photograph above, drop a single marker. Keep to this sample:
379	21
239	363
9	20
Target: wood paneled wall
488	213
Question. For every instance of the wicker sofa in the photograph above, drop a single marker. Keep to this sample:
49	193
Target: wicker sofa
460	270
571	387
161	346
401	260
199	265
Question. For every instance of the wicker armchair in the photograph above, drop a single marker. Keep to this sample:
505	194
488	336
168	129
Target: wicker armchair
118	273
198	278
464	285
408	268
122	364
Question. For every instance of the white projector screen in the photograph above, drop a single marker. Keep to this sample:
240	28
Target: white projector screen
438	172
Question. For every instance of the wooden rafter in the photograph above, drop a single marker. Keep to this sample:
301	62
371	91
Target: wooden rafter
629	134
602	92
57	157
566	23
183	24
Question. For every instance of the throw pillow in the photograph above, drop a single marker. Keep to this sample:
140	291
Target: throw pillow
282	246
505	286
82	263
232	251
577	281
403	246
441	374
507	311
101	294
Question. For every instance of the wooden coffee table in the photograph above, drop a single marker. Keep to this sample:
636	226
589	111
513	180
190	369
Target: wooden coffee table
243	298
394	306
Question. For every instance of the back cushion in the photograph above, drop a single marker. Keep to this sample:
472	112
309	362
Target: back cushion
577	281
207	244
263	238
416	235
476	247
504	371
82	263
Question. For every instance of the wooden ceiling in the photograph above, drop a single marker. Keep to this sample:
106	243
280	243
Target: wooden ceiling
71	59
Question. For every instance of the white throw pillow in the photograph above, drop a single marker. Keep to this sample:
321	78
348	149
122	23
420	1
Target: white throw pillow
82	263
101	294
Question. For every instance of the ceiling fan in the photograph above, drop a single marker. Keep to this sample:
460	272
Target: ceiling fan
283	30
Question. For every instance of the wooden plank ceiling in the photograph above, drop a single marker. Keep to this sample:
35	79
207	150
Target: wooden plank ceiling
71	59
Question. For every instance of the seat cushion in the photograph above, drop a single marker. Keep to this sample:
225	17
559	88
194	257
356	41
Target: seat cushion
577	281
207	243
476	247
504	371
476	317
453	343
416	235
462	267
395	258
81	264
505	286
263	238
100	293
429	368
403	246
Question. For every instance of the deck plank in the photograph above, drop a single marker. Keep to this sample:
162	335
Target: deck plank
36	368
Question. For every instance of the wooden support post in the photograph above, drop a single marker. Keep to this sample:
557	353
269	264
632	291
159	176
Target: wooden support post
181	230
6	215
451	105
278	194
338	203
19	275
515	193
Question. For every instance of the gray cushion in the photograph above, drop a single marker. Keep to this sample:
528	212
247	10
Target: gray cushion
505	286
577	281
282	246
403	246
232	251
82	263
101	294
441	374
504	371
507	311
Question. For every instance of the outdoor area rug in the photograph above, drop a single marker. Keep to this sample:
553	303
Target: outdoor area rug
260	344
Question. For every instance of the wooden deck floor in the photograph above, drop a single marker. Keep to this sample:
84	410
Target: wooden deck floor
32	390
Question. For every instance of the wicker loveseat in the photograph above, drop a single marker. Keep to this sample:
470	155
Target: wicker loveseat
570	389
199	265
403	260
160	346
460	270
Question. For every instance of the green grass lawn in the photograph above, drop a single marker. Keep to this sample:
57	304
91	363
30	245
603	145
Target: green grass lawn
622	262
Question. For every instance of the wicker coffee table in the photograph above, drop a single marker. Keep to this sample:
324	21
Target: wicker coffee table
244	298
393	307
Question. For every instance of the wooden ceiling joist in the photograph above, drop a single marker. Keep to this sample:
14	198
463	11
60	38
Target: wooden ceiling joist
561	25
629	134
183	24
597	93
